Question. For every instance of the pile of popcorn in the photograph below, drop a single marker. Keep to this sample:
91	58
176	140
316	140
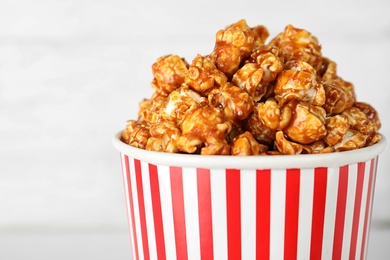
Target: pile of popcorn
249	97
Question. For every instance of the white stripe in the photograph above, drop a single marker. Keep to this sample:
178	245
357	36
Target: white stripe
330	212
166	211
149	211
362	209
191	212
352	179
248	214
305	213
136	209
278	201
218	204
127	199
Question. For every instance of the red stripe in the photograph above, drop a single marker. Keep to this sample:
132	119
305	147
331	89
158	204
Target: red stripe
263	209
178	212
233	210
157	215
368	210
319	199
340	213
205	217
292	212
356	209
141	206
131	202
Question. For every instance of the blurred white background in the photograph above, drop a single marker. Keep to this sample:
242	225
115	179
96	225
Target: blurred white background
73	71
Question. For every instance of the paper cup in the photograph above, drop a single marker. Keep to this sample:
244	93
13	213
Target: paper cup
249	207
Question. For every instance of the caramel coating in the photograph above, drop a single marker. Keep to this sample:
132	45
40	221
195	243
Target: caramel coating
273	116
299	44
270	59
250	97
205	129
169	72
340	95
233	101
136	133
358	121
203	75
163	137
151	109
307	123
249	78
179	102
298	80
370	112
259	71
329	70
351	140
234	44
300	121
288	147
246	144
336	126
258	129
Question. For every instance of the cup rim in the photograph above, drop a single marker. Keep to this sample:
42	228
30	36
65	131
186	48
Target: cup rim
301	161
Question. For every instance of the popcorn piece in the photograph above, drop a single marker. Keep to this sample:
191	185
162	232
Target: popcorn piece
351	140
370	112
299	44
235	102
136	133
299	120
260	69
336	126
205	129
340	95
169	72
163	137
258	129
245	144
320	147
358	120
179	102
249	77
307	123
234	44
328	70
298	80
203	75
270	60
287	147
273	116
151	110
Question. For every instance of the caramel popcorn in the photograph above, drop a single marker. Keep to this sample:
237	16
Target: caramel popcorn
298	80
233	101
203	75
169	72
246	144
204	130
163	137
253	97
235	43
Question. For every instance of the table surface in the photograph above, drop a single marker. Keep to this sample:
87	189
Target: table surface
111	244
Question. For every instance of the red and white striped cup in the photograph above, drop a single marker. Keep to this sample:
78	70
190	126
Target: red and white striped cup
249	207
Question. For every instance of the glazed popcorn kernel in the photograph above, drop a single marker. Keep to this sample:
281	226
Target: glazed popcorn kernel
250	96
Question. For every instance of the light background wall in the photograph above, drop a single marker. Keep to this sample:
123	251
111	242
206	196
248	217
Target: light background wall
73	71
